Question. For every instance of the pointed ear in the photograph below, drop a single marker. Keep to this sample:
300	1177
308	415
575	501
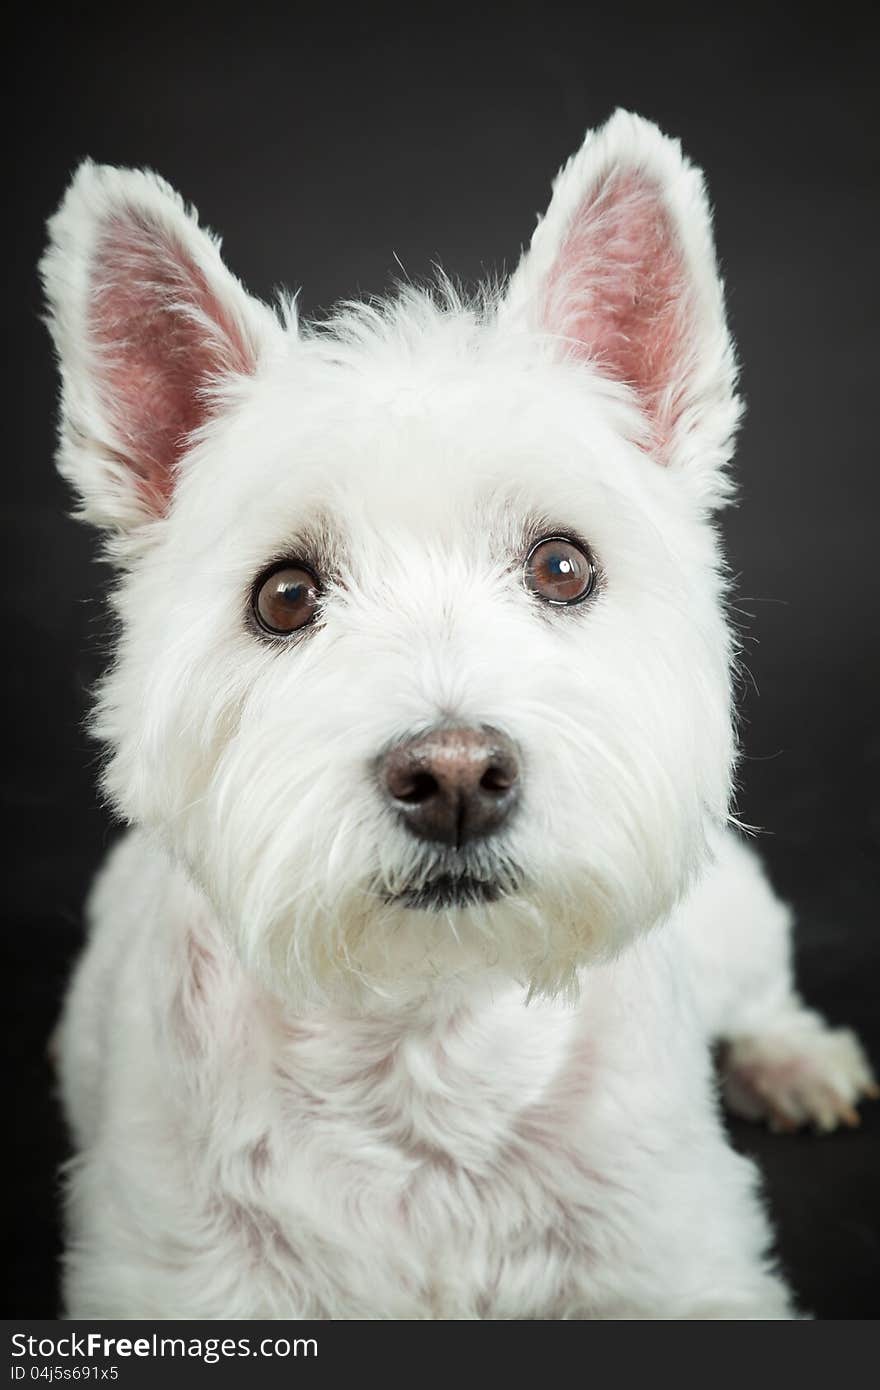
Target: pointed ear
622	273
148	326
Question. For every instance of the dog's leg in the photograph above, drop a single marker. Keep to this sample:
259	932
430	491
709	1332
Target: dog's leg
780	1060
78	1045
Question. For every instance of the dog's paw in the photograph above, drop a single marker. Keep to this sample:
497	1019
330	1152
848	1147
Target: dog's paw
806	1074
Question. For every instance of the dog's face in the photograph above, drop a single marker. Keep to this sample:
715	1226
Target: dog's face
423	667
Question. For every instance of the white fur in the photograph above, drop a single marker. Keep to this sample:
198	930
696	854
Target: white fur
289	1096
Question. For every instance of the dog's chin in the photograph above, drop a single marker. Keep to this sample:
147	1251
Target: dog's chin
449	891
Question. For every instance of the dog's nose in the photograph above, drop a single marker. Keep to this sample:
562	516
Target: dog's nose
453	785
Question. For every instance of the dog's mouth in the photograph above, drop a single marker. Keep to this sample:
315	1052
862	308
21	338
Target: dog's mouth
449	890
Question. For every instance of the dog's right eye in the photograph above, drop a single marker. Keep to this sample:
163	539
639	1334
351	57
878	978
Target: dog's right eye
285	599
560	571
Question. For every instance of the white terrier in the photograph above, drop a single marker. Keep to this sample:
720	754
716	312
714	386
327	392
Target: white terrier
421	717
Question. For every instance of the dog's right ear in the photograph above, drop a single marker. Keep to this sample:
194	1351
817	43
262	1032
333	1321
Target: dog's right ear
149	327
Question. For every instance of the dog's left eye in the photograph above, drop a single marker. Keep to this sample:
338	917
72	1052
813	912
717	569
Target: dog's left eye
559	571
285	599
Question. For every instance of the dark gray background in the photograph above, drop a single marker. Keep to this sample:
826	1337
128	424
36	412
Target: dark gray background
322	145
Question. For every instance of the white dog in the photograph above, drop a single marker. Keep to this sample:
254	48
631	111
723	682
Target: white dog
421	718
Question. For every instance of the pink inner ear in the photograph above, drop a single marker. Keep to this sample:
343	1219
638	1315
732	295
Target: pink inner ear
619	288
162	334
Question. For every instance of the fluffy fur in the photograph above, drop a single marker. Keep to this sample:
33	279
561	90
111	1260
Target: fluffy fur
292	1096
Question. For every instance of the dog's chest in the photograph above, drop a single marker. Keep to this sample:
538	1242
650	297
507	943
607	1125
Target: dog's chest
431	1172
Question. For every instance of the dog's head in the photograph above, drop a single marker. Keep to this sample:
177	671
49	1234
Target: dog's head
423	667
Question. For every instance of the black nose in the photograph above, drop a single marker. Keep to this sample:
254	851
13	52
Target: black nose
453	785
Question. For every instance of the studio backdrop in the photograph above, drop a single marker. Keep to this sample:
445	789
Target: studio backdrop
338	153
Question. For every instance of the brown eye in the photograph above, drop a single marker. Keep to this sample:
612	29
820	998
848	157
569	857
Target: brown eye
285	599
559	571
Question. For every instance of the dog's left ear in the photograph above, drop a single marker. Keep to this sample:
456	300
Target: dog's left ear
621	272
